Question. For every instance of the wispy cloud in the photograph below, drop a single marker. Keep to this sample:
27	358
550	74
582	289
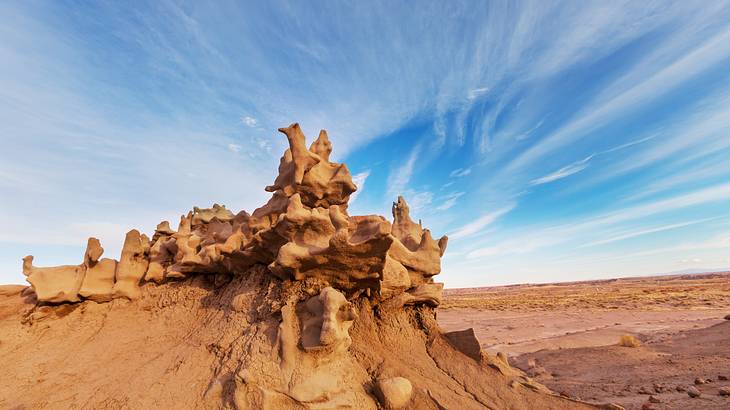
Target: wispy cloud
401	176
641	232
597	225
249	121
450	201
460	172
418	201
479	223
715	49
477	92
359	180
563	172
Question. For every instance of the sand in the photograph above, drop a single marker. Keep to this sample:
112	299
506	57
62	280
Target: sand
566	335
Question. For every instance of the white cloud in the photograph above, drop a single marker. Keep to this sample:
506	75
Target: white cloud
477	92
479	223
450	201
566	171
640	232
401	176
249	121
539	238
359	180
637	93
234	147
460	172
418	200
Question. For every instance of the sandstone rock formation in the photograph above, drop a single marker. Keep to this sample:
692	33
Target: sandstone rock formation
296	305
304	231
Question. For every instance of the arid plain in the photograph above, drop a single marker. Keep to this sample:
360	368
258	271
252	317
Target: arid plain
566	336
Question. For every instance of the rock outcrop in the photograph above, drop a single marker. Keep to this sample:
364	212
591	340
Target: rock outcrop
304	231
296	305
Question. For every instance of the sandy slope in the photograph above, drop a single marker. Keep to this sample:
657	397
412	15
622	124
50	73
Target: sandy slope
193	344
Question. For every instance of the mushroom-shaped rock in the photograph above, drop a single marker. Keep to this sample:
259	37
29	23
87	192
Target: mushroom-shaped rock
54	284
394	392
132	265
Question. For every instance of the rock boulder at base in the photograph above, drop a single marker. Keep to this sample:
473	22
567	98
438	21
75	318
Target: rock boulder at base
394	392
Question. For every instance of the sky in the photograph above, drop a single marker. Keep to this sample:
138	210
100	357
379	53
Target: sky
550	140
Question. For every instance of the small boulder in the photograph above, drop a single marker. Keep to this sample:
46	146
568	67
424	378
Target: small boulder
654	399
700	380
727	317
722	378
693	392
725	391
645	390
647	406
394	392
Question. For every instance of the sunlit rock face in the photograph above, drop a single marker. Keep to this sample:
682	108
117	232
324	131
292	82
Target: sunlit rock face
303	232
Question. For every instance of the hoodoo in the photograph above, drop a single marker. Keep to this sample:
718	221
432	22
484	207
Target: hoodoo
296	305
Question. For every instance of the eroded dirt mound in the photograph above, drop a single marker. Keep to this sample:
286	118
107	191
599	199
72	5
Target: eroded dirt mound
244	341
298	305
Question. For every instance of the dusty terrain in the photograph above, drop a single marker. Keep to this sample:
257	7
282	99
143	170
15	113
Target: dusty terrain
566	336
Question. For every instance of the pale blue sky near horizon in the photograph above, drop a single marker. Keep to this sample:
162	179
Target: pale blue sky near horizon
552	141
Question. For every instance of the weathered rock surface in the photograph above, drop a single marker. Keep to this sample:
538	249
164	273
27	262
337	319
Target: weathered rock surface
394	392
296	305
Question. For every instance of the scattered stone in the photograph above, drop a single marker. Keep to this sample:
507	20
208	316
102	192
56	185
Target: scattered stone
680	388
654	399
727	317
700	380
693	392
394	392
644	390
647	406
722	378
725	391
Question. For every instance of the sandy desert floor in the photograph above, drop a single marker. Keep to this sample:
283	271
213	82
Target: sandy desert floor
566	336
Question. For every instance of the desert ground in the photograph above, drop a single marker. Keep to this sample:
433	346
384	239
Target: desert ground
566	336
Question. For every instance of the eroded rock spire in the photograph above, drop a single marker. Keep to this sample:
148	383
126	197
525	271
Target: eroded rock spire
303	232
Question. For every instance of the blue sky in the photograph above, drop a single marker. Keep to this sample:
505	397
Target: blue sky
551	141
